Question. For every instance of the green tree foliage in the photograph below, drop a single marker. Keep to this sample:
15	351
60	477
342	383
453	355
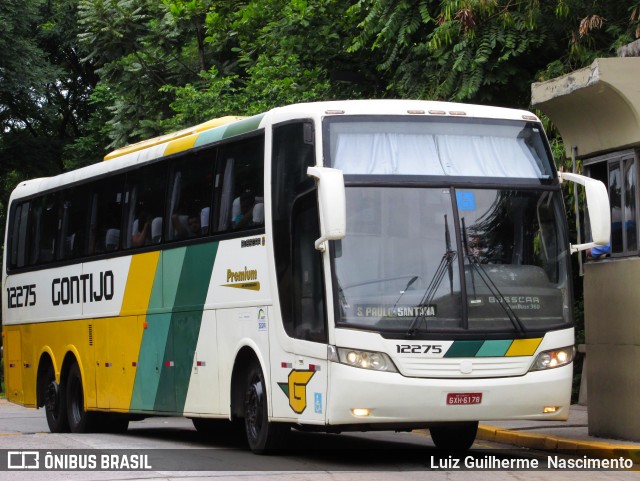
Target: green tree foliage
79	77
44	87
487	51
275	52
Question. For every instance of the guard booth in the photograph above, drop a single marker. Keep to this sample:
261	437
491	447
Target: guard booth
597	111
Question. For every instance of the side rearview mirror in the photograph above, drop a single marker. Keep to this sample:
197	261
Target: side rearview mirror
598	209
332	203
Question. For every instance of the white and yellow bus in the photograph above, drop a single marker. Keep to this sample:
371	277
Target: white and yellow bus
336	266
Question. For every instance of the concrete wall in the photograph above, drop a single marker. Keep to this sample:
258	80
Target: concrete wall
612	326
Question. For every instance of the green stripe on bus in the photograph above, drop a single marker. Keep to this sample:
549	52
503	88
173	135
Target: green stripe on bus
172	265
242	126
225	131
210	136
464	349
169	341
190	295
150	359
494	348
497	348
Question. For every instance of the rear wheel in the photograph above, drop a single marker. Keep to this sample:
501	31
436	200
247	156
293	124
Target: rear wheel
80	421
55	403
454	436
263	436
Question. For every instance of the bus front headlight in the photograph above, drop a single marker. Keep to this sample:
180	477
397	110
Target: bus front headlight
377	361
553	358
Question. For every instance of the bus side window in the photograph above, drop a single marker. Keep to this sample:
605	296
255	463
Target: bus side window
106	215
190	196
239	185
19	223
43	226
145	197
75	202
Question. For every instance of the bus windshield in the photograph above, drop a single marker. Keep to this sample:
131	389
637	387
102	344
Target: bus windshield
428	259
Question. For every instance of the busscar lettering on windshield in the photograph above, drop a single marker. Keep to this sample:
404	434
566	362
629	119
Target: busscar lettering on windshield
486	279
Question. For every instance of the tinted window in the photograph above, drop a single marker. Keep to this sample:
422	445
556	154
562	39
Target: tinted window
105	224
146	189
190	196
74	207
43	226
19	235
239	197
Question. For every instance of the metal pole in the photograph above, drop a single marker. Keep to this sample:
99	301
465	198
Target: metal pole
574	154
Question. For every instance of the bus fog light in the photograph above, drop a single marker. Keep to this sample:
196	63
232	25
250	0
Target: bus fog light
553	358
360	412
550	409
377	361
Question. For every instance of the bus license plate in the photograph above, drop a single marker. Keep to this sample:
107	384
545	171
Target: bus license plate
464	398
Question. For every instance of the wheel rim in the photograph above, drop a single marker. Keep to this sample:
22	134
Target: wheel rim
254	409
51	400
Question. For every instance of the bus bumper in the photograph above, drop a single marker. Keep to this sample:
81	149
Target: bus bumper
390	398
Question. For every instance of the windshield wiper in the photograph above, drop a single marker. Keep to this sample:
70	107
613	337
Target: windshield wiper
484	276
445	266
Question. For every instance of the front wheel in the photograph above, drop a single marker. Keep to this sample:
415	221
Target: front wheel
262	436
454	436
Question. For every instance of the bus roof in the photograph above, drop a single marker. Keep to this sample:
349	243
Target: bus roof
163	139
230	126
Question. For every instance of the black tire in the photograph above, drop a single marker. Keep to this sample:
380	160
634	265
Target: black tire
454	436
55	406
263	437
80	421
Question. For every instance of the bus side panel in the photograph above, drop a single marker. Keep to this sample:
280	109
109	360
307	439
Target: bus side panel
203	395
150	361
117	344
173	325
13	365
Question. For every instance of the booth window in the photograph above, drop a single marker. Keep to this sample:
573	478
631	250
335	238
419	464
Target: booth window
619	172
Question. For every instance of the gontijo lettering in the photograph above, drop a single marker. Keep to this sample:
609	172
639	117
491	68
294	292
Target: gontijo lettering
83	288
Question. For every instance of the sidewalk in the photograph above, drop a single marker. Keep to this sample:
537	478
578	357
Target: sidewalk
567	436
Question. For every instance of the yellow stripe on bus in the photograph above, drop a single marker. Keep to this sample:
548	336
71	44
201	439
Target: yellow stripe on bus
180	145
117	371
524	347
142	272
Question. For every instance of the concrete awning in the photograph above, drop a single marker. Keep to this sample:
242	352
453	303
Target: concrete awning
596	108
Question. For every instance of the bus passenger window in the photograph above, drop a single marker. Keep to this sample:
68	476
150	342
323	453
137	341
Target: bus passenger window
43	224
74	218
145	194
18	232
106	215
190	197
239	190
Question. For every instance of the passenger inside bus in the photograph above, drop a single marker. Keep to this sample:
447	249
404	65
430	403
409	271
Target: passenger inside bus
244	218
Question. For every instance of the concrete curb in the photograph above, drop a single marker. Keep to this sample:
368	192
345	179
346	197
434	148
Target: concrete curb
548	442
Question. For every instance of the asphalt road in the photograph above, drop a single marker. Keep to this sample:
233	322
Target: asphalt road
174	450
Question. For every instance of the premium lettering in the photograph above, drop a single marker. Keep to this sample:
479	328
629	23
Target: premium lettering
242	276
